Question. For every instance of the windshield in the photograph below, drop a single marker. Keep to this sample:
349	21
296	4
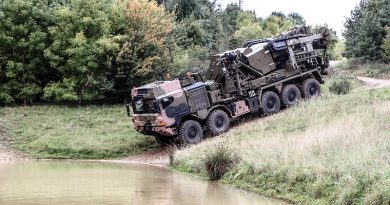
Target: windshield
143	105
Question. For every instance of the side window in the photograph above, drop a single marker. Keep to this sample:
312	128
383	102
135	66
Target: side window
165	102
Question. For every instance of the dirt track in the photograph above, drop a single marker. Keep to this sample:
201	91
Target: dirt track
372	83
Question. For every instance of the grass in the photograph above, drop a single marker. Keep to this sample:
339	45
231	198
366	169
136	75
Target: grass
91	132
331	150
218	161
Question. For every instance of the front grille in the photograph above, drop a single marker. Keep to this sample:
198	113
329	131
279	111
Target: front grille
198	99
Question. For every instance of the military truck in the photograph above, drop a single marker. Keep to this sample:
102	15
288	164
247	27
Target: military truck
261	77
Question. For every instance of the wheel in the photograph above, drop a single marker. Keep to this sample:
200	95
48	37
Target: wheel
290	95
164	140
218	122
190	132
310	88
270	102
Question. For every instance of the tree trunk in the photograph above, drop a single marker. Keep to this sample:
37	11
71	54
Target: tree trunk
126	98
80	96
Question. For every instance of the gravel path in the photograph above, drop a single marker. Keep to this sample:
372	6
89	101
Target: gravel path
373	83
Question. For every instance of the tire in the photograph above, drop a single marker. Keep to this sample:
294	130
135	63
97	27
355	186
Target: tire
310	88
164	140
217	122
190	132
290	95
270	103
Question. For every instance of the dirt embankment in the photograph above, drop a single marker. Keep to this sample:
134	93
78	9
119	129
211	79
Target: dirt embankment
6	153
158	157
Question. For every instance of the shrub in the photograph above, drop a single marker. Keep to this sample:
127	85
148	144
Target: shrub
340	87
218	161
386	43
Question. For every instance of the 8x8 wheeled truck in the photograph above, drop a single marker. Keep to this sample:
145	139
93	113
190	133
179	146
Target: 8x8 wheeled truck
263	75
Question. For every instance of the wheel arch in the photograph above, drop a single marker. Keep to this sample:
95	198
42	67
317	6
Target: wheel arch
221	107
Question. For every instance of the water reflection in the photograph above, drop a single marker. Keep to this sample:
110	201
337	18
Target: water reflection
74	182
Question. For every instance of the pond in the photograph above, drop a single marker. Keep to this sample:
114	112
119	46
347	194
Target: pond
81	182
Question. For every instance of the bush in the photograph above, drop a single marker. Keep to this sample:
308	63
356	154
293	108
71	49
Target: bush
386	43
340	87
218	161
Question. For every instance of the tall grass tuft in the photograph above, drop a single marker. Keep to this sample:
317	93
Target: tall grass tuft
218	161
340	87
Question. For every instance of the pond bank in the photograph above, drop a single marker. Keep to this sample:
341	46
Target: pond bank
7	153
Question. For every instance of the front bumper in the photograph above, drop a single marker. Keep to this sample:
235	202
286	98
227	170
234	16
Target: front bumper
150	125
166	131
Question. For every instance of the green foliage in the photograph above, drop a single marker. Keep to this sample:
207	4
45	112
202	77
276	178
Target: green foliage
297	18
146	44
340	86
249	27
229	18
365	30
386	43
338	50
276	24
59	91
77	50
80	50
23	39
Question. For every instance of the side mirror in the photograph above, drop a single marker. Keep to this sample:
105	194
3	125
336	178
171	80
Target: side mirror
129	111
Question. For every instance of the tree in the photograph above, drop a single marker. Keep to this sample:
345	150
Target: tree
386	44
229	18
279	14
199	33
338	50
185	8
297	18
365	30
76	50
23	38
79	28
276	24
200	9
144	30
353	33
248	27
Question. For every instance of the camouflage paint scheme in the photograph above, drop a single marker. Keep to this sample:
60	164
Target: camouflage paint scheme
159	122
235	81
